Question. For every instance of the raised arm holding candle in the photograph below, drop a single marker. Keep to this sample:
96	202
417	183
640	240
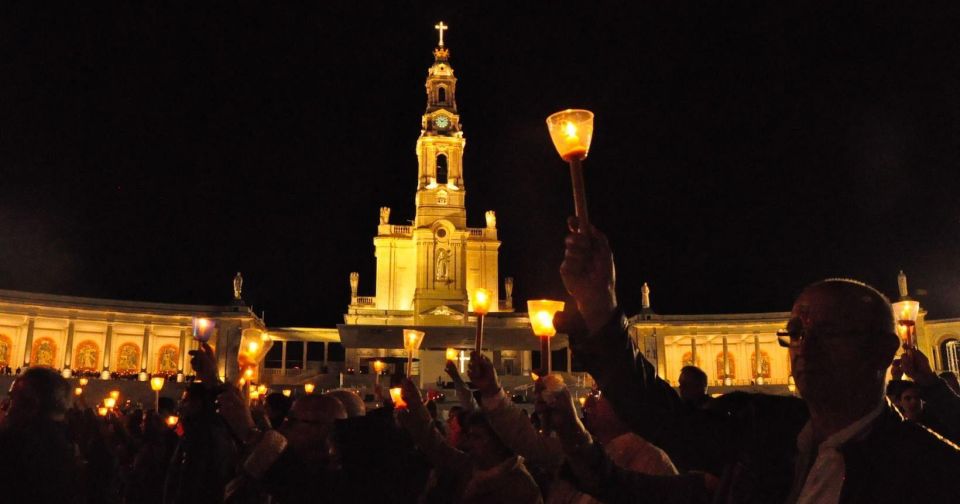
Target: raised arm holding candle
571	131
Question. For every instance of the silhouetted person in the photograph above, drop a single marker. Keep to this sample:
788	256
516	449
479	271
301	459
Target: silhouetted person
693	386
37	460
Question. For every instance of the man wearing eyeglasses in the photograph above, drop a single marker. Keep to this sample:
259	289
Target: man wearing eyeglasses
853	447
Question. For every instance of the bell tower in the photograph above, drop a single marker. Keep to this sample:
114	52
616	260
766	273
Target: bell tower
429	267
440	186
440	225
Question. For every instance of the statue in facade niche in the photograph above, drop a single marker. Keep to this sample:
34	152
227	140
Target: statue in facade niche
354	284
384	215
491	217
237	286
443	263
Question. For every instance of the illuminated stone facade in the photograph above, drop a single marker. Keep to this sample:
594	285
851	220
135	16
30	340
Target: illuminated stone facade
93	336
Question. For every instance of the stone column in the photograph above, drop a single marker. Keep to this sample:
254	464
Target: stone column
29	344
283	358
304	368
569	359
182	361
726	365
107	348
68	351
693	350
758	360
145	349
326	354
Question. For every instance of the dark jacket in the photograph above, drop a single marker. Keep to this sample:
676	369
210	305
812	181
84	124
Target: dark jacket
895	462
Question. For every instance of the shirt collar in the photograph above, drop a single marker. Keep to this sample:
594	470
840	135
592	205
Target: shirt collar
855	430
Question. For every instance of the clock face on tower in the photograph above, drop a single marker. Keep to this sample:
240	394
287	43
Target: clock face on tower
441	122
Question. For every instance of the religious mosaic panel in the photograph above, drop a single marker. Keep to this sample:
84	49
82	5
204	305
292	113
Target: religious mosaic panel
687	360
731	366
128	358
44	353
167	359
6	350
764	364
87	356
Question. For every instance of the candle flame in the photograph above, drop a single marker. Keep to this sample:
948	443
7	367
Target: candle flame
115	394
172	420
535	376
78	391
253	347
570	129
102	411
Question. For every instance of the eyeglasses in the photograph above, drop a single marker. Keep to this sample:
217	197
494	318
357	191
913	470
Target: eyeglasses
795	333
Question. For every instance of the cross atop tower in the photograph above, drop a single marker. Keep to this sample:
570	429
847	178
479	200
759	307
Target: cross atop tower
440	27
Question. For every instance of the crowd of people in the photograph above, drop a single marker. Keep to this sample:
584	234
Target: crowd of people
854	437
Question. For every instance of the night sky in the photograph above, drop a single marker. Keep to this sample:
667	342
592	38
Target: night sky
742	149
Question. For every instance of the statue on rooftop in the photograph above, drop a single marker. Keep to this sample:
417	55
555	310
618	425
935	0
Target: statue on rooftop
237	286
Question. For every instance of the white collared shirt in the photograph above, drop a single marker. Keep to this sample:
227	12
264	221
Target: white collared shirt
825	478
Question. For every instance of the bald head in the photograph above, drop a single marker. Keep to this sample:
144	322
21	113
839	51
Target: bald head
318	408
847	342
351	402
853	303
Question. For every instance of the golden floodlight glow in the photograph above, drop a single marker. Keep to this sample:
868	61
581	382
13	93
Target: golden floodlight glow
110	402
309	387
452	354
571	131
102	411
396	396
481	301
115	394
84	382
541	314
78	391
156	383
412	339
287	392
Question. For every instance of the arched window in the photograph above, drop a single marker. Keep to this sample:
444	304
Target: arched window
441	168
950	355
442	95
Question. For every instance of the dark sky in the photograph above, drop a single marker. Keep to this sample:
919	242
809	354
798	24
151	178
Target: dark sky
742	149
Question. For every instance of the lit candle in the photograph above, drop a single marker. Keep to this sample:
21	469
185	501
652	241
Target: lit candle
396	396
202	329
156	383
571	132
287	392
254	394
78	391
115	394
541	313
412	339
248	373
262	389
481	301
308	387
102	411
452	354
172	421
110	402
253	347
84	382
